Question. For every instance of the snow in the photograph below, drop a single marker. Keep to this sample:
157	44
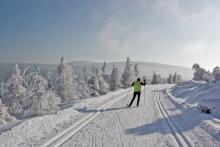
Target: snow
146	126
35	131
164	118
199	93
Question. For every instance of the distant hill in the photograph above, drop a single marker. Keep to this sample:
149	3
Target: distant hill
145	68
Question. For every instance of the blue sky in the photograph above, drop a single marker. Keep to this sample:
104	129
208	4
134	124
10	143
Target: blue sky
178	32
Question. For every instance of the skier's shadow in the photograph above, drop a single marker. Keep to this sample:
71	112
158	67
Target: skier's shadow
86	110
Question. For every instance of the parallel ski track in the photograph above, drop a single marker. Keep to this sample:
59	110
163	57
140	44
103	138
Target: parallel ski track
180	138
64	136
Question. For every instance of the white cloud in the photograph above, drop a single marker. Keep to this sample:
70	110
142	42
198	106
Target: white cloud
180	9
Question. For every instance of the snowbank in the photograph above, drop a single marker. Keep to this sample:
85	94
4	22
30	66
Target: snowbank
194	93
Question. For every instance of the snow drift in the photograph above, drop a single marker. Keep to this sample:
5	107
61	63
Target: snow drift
199	94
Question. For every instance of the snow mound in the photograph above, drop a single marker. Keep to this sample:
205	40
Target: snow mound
199	94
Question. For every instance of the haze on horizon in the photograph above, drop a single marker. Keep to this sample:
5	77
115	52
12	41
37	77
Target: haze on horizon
176	32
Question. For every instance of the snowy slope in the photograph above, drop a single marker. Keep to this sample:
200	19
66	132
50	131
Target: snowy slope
199	93
145	68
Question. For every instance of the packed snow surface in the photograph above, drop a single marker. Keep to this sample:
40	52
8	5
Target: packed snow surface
160	120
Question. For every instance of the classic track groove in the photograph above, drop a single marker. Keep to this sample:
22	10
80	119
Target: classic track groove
180	138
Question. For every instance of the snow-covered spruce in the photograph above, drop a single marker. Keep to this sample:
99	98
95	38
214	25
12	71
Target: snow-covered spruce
17	92
201	74
114	82
157	79
136	71
104	67
170	79
103	86
5	117
2	91
128	74
65	83
94	83
43	101
84	86
174	79
216	73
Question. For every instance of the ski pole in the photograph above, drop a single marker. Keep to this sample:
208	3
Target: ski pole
144	94
144	89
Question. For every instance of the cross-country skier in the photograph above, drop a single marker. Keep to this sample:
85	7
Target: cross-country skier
137	90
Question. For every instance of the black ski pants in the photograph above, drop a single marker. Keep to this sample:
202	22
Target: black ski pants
138	100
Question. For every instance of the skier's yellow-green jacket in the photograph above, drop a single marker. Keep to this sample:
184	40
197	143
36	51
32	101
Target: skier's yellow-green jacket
137	85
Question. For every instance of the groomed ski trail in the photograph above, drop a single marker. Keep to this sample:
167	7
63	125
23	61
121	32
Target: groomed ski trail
180	138
62	137
156	122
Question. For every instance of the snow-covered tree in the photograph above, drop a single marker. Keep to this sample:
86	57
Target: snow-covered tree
85	86
179	79
201	74
43	101
157	79
17	91
114	79
154	79
1	91
128	74
136	71
104	67
50	85
175	76
94	82
216	73
65	82
208	76
103	86
5	117
170	79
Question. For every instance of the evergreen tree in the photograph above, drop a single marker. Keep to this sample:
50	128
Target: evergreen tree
216	73
44	101
154	79
170	79
104	68
1	91
136	71
175	78
65	81
114	79
16	91
94	82
103	86
199	74
128	74
159	79
179	79
5	117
